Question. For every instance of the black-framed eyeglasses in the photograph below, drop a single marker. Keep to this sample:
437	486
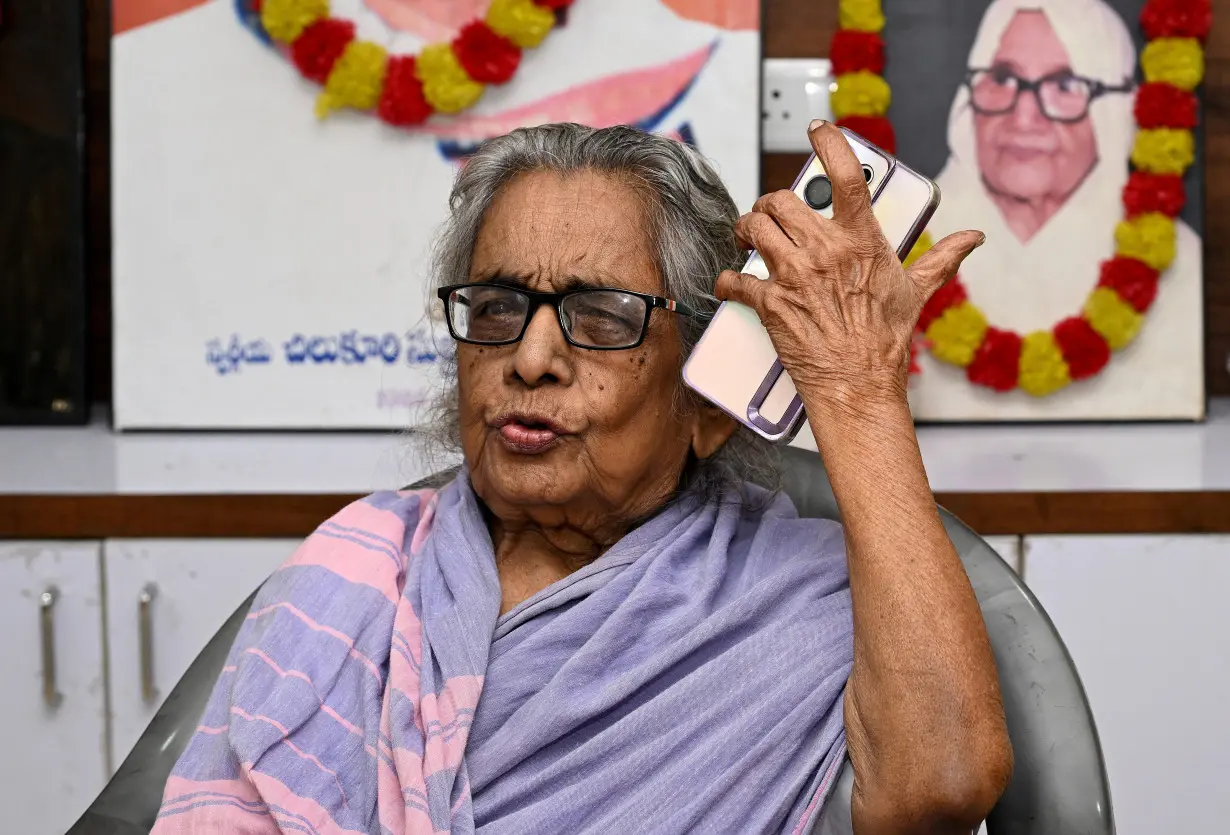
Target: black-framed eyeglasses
601	319
1061	96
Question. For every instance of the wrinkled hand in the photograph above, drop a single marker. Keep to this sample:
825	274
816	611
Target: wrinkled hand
839	306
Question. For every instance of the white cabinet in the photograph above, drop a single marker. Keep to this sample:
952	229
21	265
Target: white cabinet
53	758
165	600
1146	621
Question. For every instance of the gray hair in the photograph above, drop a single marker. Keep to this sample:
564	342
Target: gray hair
691	218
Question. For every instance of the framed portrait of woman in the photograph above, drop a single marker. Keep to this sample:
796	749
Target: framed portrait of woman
1023	111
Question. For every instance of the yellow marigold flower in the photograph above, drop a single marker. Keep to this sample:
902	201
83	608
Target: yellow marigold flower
1148	238
356	80
957	333
1164	150
860	15
860	93
1043	370
1177	61
446	85
523	22
920	248
285	20
1116	320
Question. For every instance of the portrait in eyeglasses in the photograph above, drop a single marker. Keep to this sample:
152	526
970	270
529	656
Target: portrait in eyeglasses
1023	112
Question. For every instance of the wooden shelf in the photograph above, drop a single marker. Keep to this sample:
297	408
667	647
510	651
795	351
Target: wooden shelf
289	515
92	483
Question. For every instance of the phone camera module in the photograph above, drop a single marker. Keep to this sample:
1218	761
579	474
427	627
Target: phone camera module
868	173
818	193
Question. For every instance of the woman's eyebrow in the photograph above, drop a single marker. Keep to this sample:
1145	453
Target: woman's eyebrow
562	284
506	277
1016	69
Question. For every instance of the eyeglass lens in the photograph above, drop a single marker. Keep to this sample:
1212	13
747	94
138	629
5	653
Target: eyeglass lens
590	318
1061	98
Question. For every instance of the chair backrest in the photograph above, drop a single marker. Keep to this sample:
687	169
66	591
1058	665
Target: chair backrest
1059	785
129	803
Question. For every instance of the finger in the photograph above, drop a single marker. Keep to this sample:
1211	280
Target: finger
937	265
758	231
789	211
742	288
851	199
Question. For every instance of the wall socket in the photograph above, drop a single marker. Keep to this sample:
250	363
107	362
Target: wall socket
793	92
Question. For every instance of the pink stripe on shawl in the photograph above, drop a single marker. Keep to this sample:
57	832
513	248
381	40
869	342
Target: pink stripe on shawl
312	624
360	545
446	740
194	806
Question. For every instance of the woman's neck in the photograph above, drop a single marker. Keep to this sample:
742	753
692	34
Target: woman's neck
1024	216
529	557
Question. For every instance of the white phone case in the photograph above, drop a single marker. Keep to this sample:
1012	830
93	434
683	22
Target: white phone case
735	366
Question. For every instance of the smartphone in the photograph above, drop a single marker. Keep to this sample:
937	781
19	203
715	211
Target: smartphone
734	365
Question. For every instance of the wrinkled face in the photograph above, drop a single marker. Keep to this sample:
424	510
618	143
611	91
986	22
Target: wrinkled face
1022	153
565	435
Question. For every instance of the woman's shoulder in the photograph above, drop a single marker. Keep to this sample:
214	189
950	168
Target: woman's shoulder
775	529
370	539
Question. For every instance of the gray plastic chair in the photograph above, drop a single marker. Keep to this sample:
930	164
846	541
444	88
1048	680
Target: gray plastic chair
1059	786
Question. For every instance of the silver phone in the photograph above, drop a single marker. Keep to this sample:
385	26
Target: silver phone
734	365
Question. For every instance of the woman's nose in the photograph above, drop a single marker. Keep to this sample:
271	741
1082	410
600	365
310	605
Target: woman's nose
541	355
1028	111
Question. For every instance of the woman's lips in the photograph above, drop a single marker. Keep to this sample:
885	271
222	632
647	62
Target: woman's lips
528	435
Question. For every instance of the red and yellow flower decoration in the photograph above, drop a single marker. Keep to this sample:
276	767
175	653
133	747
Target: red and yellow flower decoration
1045	361
404	90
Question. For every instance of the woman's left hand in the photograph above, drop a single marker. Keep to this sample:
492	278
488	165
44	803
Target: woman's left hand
840	308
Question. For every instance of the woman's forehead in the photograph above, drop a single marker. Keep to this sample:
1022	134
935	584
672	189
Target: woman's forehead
545	230
1031	43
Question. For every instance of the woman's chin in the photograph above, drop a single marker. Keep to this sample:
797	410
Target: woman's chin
1025	183
524	481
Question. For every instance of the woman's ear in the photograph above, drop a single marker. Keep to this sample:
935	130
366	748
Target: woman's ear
711	429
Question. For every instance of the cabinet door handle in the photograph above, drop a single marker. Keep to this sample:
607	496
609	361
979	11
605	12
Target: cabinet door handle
52	696
145	618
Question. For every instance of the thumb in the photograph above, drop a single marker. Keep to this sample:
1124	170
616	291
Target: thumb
940	263
742	288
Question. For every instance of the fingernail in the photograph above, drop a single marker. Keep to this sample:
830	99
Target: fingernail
816	124
982	239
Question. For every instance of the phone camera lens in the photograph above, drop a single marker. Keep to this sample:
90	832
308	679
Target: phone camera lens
818	193
868	173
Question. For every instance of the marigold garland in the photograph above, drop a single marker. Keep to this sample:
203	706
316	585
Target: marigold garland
404	90
1043	362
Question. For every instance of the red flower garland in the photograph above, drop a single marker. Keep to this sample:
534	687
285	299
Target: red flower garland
1134	281
853	51
1083	348
875	129
402	103
997	362
950	294
321	44
486	56
1160	105
1147	192
1177	19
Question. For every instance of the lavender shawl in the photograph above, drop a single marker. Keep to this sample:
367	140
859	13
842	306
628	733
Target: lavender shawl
689	680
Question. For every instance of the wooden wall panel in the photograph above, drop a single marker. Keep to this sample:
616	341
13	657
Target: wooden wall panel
793	29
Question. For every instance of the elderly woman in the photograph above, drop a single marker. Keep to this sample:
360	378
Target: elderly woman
600	624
